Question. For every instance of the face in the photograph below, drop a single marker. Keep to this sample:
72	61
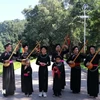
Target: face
27	63
58	48
9	48
92	50
75	50
44	51
26	48
58	60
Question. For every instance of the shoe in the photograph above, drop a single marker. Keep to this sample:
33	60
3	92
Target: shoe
44	94
40	94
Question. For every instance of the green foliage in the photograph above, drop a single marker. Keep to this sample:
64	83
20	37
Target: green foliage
11	31
47	22
50	22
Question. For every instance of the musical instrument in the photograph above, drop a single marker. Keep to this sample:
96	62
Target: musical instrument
24	61
65	40
89	64
6	64
72	63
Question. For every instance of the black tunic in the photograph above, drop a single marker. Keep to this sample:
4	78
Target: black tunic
27	80
22	56
43	72
57	54
93	76
75	76
8	75
63	73
57	78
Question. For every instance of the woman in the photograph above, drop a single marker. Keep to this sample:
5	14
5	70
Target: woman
75	76
43	61
8	72
92	75
22	58
60	52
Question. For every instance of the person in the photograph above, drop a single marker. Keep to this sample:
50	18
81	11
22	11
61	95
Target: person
92	75
43	61
22	58
8	72
57	69
60	52
75	76
27	78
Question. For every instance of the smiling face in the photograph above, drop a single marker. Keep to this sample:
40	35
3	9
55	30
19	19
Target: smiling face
26	48
43	51
58	60
58	48
75	51
9	48
92	50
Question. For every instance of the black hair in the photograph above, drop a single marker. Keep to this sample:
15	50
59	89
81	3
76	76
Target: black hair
43	47
92	47
58	57
74	48
24	45
57	45
6	45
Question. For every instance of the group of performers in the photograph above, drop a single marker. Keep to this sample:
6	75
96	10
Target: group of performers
58	70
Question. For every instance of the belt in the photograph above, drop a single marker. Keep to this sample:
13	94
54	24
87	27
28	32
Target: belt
11	62
77	64
95	65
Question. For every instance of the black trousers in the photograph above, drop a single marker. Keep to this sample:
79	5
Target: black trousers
43	79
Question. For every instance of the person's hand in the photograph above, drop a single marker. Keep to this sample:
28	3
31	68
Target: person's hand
71	62
65	46
6	61
42	64
88	63
23	60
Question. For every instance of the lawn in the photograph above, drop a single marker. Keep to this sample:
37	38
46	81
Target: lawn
83	67
16	65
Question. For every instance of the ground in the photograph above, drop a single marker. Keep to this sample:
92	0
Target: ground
66	94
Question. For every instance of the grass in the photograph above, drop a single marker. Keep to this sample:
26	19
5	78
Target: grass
83	67
16	65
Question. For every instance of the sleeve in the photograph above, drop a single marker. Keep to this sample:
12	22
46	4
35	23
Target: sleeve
52	66
16	54
30	71
38	60
33	55
63	69
83	55
2	58
53	57
65	51
86	60
19	58
49	62
99	56
69	59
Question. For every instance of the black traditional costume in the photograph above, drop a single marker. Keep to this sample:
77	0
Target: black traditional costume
57	69
93	75
43	72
